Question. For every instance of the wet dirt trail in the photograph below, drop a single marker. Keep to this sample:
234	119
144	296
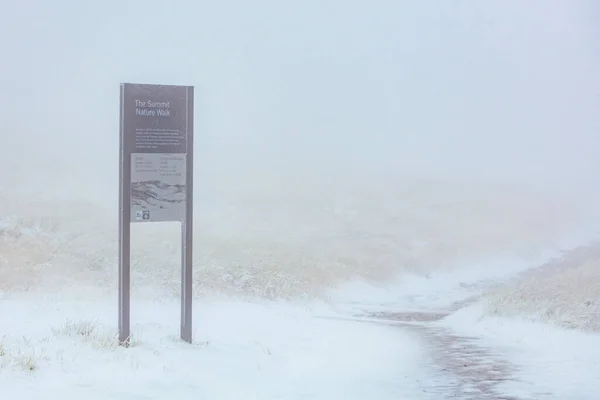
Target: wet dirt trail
469	370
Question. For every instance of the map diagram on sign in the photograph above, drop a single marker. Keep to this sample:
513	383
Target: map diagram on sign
158	190
156	194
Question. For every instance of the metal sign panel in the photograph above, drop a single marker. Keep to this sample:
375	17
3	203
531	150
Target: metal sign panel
156	179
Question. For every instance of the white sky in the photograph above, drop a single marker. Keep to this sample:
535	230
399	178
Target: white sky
484	89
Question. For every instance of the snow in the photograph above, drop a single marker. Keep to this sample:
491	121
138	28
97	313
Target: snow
290	241
566	297
281	312
61	343
546	325
240	350
552	362
443	287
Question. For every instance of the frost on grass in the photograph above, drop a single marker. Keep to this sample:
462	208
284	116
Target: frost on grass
294	242
22	355
68	346
92	333
569	298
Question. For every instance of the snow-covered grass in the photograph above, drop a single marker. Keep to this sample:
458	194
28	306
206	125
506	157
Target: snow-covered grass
290	241
547	323
568	297
552	362
266	269
445	287
61	347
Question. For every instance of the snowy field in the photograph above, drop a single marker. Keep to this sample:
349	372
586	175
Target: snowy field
546	323
550	362
61	348
566	297
277	312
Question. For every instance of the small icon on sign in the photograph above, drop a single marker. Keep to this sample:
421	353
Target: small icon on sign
138	215
145	215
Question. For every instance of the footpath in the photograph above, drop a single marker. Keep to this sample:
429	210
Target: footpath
468	370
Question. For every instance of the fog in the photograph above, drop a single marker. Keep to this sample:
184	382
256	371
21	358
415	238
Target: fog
486	91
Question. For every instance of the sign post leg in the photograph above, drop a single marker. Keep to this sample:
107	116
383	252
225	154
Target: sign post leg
187	227
124	285
124	237
186	283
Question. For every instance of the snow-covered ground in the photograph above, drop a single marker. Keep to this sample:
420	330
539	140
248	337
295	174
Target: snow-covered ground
550	362
567	296
64	346
546	324
277	312
54	347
